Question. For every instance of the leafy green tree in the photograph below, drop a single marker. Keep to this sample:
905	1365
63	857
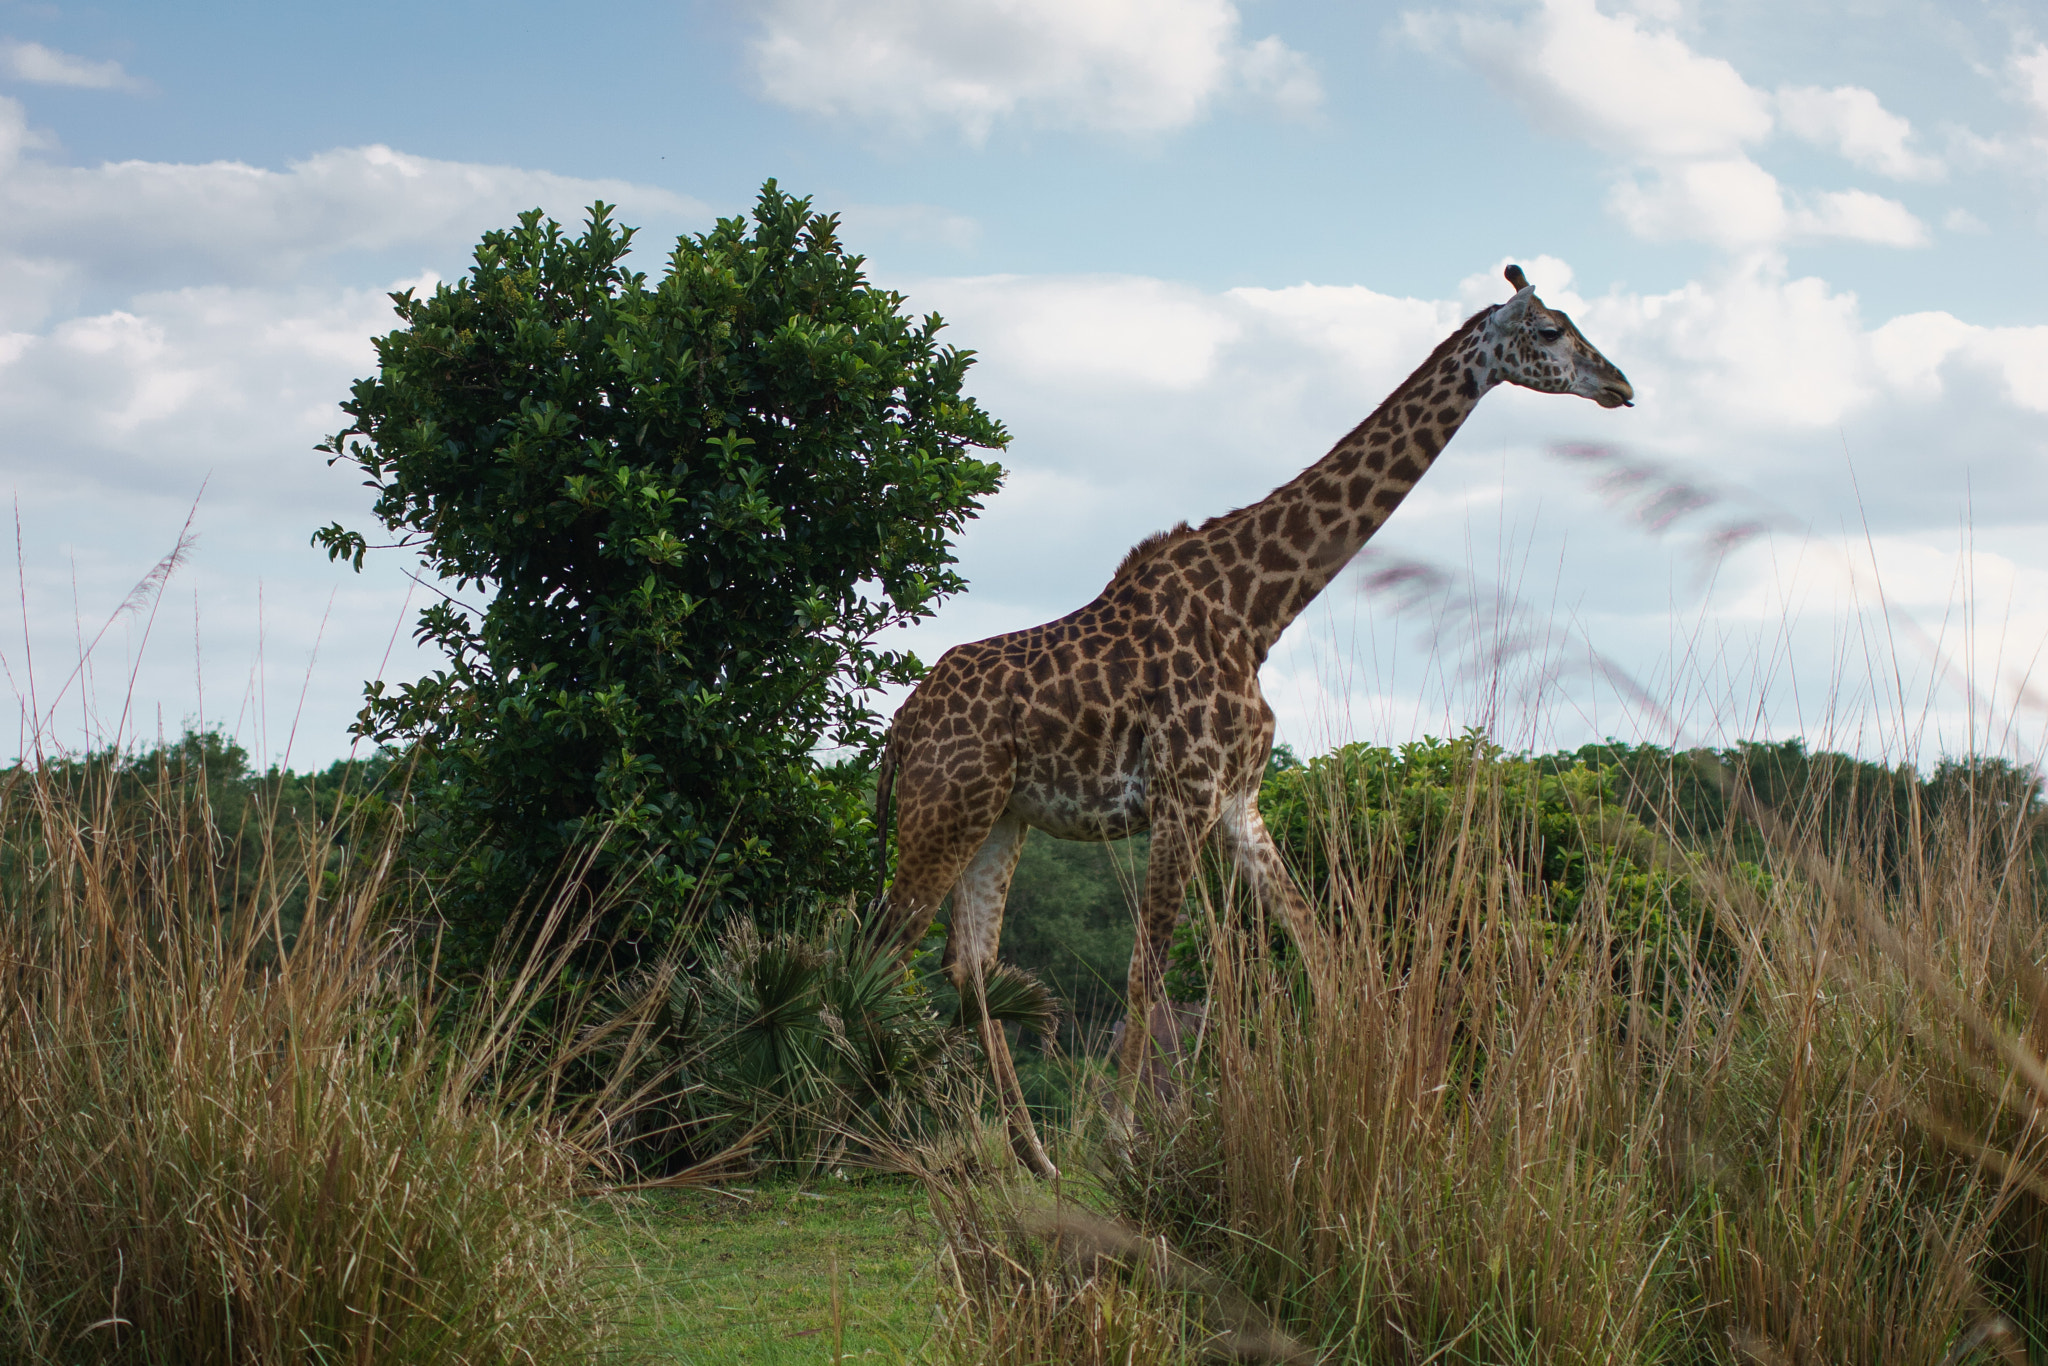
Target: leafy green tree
676	517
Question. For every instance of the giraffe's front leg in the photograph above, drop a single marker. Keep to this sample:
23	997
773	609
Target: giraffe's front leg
1243	836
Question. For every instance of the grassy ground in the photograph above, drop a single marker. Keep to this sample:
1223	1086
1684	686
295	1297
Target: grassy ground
747	1275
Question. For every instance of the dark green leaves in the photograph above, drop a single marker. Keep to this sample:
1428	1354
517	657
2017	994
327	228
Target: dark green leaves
688	509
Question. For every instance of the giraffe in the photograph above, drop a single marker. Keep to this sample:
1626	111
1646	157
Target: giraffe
1142	710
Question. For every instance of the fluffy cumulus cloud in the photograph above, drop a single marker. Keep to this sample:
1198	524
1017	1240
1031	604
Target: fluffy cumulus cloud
1849	120
2030	73
202	402
2023	149
1638	92
1125	66
1113	334
1685	126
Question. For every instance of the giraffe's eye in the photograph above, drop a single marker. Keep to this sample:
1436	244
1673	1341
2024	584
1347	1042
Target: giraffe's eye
1550	333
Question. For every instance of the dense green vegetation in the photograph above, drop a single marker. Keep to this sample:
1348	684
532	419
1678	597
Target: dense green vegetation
250	819
1461	1127
1623	818
1799	1146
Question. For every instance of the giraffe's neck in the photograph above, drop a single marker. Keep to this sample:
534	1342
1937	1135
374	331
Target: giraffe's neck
1300	536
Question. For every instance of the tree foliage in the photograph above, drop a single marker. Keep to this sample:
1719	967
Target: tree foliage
675	517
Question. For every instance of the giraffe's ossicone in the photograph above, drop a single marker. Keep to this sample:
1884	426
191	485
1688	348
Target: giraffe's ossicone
1142	709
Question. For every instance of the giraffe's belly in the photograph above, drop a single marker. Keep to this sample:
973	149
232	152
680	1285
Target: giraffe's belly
1076	807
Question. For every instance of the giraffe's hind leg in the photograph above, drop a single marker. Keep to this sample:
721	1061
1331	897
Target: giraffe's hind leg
977	929
948	798
1243	836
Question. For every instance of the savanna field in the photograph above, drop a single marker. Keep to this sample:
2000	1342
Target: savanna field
560	1028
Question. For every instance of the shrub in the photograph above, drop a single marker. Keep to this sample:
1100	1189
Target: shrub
1462	1134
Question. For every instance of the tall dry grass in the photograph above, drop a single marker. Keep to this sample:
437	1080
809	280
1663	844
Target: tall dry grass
245	1136
1462	1129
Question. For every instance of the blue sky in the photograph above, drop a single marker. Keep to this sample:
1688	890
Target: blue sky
1193	242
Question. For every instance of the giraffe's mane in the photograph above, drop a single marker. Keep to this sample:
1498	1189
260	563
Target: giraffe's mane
1145	550
1159	542
1149	549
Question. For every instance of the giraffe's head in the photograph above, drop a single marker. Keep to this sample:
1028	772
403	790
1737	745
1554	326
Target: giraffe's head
1538	348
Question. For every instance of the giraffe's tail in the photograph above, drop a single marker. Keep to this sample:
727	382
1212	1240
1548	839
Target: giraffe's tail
885	804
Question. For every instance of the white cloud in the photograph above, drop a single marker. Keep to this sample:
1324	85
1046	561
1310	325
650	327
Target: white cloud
139	224
39	65
1737	204
1606	79
1732	202
1126	66
2020	151
2030	71
1375	337
1090	332
1860	216
1849	120
1745	353
918	224
1271	70
1916	351
1682	124
154	396
112	423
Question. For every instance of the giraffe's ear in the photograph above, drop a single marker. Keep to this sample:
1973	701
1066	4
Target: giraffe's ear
1511	313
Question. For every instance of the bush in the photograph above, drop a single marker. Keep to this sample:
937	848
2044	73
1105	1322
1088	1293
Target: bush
1374	832
197	799
1070	922
810	1047
1456	1131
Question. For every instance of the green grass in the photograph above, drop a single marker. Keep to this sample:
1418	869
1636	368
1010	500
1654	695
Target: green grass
746	1275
